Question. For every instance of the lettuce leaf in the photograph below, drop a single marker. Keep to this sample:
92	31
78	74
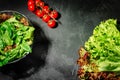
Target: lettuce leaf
104	46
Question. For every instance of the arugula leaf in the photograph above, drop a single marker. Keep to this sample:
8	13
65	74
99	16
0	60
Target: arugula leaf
26	47
29	33
7	39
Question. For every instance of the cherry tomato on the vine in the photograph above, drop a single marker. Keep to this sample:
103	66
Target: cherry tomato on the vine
43	11
41	4
51	23
46	9
30	2
31	7
37	2
39	13
54	14
46	18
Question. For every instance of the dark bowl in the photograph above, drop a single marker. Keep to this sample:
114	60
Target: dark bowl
11	12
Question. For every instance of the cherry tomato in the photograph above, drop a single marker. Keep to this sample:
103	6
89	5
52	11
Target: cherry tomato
46	9
41	4
39	13
37	2
31	7
54	14
46	18
51	23
30	2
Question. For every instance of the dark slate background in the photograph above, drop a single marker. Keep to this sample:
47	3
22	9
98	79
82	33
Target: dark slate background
55	51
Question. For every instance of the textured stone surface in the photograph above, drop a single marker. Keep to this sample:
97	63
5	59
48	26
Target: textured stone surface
55	50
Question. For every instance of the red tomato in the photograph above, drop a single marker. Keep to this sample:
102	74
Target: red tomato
46	9
46	18
54	14
39	13
30	2
41	4
37	1
51	23
31	7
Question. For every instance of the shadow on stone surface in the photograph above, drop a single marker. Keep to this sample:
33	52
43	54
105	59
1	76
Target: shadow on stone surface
32	62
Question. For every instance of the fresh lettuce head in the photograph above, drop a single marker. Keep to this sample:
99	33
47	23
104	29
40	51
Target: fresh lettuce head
104	46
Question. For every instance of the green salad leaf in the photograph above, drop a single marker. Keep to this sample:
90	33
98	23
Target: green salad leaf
15	38
104	46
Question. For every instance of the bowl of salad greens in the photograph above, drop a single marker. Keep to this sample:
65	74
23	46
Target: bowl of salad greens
16	36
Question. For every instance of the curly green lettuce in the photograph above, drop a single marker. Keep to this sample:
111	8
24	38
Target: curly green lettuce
104	46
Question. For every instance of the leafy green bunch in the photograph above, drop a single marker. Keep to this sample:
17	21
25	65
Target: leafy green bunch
104	46
15	40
